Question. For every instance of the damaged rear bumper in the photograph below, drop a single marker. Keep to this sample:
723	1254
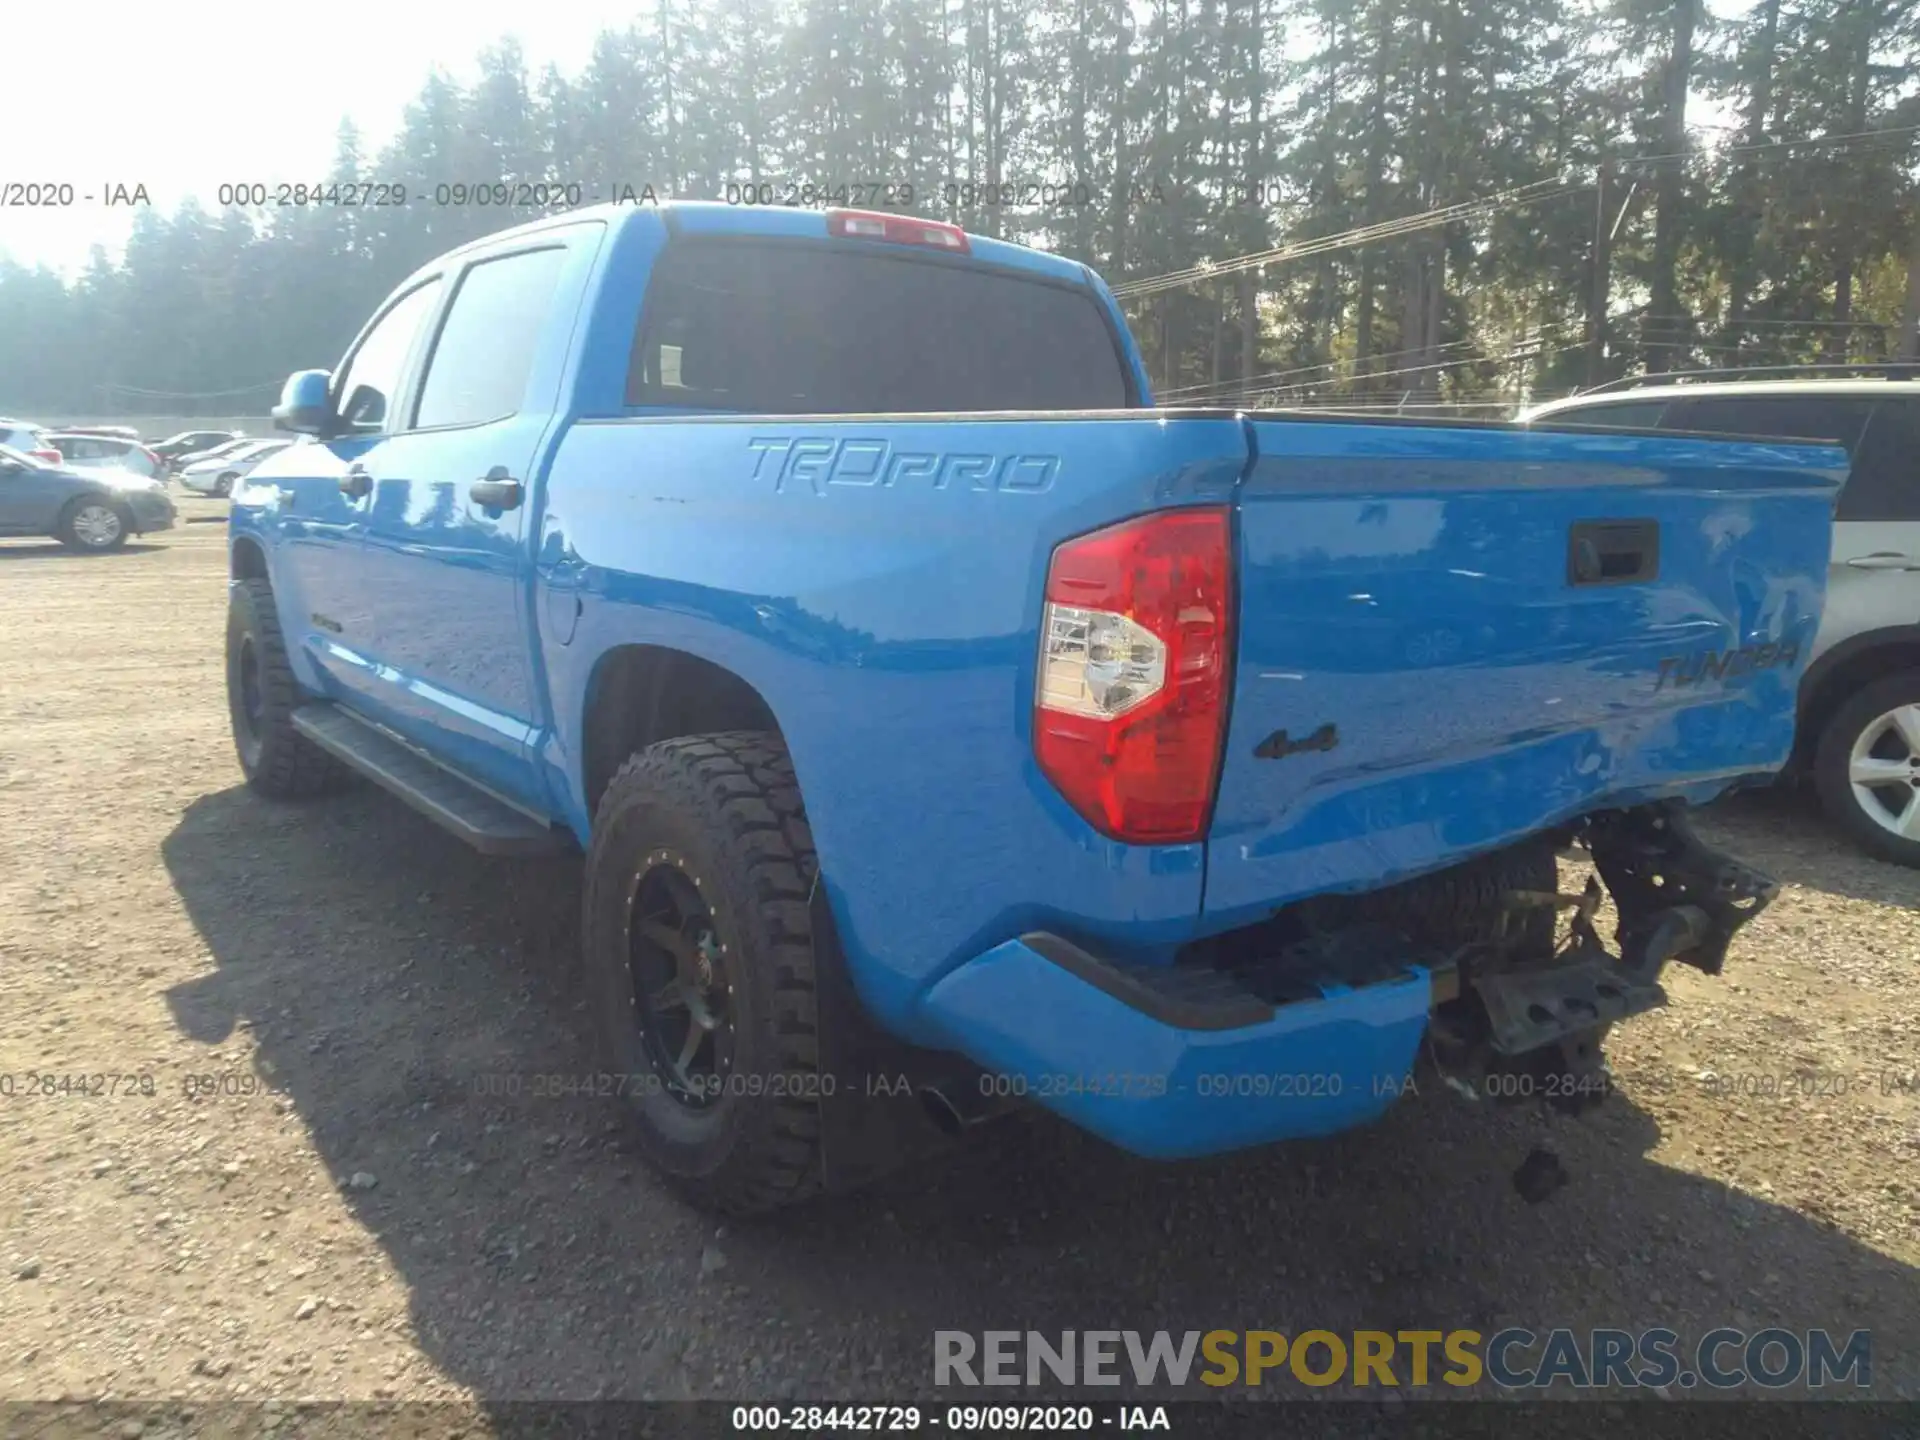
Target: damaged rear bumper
1173	1061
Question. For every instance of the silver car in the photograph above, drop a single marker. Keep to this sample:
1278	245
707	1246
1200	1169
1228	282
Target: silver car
83	509
1860	699
216	474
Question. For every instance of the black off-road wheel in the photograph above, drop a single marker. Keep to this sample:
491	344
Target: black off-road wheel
698	948
261	695
1867	768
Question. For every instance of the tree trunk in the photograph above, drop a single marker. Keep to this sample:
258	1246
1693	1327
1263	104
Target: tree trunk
1670	191
1249	333
1909	347
1748	202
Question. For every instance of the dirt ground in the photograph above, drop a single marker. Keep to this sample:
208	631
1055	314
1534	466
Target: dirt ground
307	1184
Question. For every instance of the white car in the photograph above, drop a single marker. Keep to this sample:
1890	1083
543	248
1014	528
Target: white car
1860	698
29	439
216	474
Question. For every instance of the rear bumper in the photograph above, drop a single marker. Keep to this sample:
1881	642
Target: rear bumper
1169	1073
1321	1033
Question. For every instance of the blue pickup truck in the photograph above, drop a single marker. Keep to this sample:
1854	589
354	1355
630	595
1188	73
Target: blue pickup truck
946	728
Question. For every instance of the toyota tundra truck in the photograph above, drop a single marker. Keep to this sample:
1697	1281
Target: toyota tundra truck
945	728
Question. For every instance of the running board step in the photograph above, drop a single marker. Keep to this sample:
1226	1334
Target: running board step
485	822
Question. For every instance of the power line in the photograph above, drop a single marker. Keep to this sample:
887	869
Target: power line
1384	230
1532	194
111	390
1733	150
1277	375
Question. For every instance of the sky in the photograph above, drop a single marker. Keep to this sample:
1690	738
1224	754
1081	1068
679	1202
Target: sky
186	97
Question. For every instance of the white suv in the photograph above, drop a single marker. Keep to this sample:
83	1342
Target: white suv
1860	700
29	439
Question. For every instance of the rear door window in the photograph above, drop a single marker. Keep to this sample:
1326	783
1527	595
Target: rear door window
792	329
1885	483
484	353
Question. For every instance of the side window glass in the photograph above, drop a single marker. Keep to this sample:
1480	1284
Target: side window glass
1839	418
1885	480
485	350
365	392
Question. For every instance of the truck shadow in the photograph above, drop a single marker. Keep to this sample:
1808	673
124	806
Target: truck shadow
1782	831
406	995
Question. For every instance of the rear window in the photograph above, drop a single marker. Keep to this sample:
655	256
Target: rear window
1839	418
796	329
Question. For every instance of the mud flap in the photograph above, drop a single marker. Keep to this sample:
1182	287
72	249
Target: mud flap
874	1111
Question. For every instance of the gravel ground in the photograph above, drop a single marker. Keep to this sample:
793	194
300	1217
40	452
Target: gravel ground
349	1214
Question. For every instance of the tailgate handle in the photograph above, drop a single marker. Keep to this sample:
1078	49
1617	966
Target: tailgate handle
1613	552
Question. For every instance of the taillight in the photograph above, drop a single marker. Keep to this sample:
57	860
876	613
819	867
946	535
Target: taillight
50	455
897	229
1130	706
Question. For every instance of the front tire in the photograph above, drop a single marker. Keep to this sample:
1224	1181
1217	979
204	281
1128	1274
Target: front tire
94	526
1867	768
261	696
698	948
223	487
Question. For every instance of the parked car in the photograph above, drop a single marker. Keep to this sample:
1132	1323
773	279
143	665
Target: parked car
189	442
944	726
212	452
1860	701
217	474
117	432
83	509
29	440
91	450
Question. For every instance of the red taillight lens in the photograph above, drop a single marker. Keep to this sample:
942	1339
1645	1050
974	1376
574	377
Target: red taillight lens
50	455
1130	707
897	229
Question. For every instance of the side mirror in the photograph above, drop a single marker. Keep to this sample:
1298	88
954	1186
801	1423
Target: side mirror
304	407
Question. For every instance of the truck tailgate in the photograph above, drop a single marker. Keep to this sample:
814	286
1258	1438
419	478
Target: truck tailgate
1450	637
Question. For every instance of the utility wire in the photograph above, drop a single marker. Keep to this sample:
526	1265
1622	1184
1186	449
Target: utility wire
1813	142
1346	239
110	390
1535	193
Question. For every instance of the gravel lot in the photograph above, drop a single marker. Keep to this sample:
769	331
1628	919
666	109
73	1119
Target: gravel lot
349	1215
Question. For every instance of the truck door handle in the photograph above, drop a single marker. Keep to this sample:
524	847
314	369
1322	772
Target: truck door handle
496	490
1884	560
356	482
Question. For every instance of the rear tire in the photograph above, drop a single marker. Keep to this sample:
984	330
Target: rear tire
261	697
696	915
223	487
1875	734
93	525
